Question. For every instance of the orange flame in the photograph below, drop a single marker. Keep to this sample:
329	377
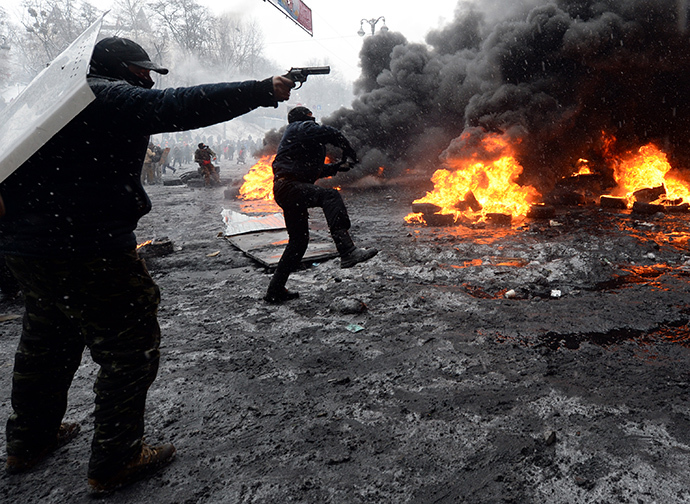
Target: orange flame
258	182
147	242
583	167
648	168
491	183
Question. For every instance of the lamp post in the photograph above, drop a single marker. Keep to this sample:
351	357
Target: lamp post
372	23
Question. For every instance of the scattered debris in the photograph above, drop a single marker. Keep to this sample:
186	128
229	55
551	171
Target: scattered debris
541	211
613	202
354	328
348	306
499	219
156	248
647	195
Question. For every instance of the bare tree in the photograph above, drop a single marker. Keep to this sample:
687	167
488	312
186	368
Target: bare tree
51	25
5	47
133	20
237	44
130	18
188	22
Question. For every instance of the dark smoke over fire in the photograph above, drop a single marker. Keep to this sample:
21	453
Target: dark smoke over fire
553	79
557	79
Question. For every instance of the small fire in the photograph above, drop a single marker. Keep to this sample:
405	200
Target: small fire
147	242
474	188
583	167
258	182
648	168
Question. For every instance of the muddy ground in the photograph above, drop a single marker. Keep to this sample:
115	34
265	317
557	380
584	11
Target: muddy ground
411	378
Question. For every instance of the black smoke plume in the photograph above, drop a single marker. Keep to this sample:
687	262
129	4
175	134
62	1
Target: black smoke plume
551	75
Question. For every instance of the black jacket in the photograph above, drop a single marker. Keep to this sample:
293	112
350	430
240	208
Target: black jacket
81	193
302	151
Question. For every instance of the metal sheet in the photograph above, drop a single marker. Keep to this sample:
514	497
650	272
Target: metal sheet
238	223
49	102
266	247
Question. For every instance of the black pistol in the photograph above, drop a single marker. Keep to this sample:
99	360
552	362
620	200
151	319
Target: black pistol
300	74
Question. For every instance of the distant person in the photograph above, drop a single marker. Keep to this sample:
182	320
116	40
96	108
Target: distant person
241	156
148	175
299	162
68	238
176	156
204	157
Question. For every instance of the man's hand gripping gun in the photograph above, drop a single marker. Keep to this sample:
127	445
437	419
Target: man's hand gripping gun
300	74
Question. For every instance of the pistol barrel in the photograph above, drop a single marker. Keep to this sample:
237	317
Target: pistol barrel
319	70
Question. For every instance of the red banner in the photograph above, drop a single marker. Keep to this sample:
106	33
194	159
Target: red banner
298	12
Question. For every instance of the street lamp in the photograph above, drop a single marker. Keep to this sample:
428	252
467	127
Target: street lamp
372	23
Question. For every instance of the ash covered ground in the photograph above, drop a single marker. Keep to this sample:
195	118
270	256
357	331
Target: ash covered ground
411	378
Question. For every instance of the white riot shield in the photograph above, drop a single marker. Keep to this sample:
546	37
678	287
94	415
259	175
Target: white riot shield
49	102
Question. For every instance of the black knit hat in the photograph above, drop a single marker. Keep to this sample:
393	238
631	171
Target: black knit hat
300	114
112	55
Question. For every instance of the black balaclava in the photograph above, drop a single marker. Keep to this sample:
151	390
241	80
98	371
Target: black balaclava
112	56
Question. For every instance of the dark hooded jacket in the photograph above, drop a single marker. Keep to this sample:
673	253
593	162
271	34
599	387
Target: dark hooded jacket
81	193
301	153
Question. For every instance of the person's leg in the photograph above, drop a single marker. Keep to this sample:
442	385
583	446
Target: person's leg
289	196
333	207
339	224
49	353
215	175
207	175
121	329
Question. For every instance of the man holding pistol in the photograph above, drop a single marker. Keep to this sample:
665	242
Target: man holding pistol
68	237
299	162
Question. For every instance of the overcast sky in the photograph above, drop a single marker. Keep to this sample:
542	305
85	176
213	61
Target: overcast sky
335	26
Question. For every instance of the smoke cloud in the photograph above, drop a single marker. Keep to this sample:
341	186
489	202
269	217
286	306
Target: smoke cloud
550	75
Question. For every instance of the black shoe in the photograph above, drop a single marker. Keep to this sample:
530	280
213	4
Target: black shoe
150	460
280	296
358	255
66	433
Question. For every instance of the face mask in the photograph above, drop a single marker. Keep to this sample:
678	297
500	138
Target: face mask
140	81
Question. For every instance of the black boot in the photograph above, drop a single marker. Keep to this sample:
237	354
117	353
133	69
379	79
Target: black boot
349	253
358	255
277	293
277	296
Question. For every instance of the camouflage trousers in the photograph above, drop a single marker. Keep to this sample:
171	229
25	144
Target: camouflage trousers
108	305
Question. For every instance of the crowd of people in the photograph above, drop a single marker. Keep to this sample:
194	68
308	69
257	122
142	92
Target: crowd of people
171	154
182	150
